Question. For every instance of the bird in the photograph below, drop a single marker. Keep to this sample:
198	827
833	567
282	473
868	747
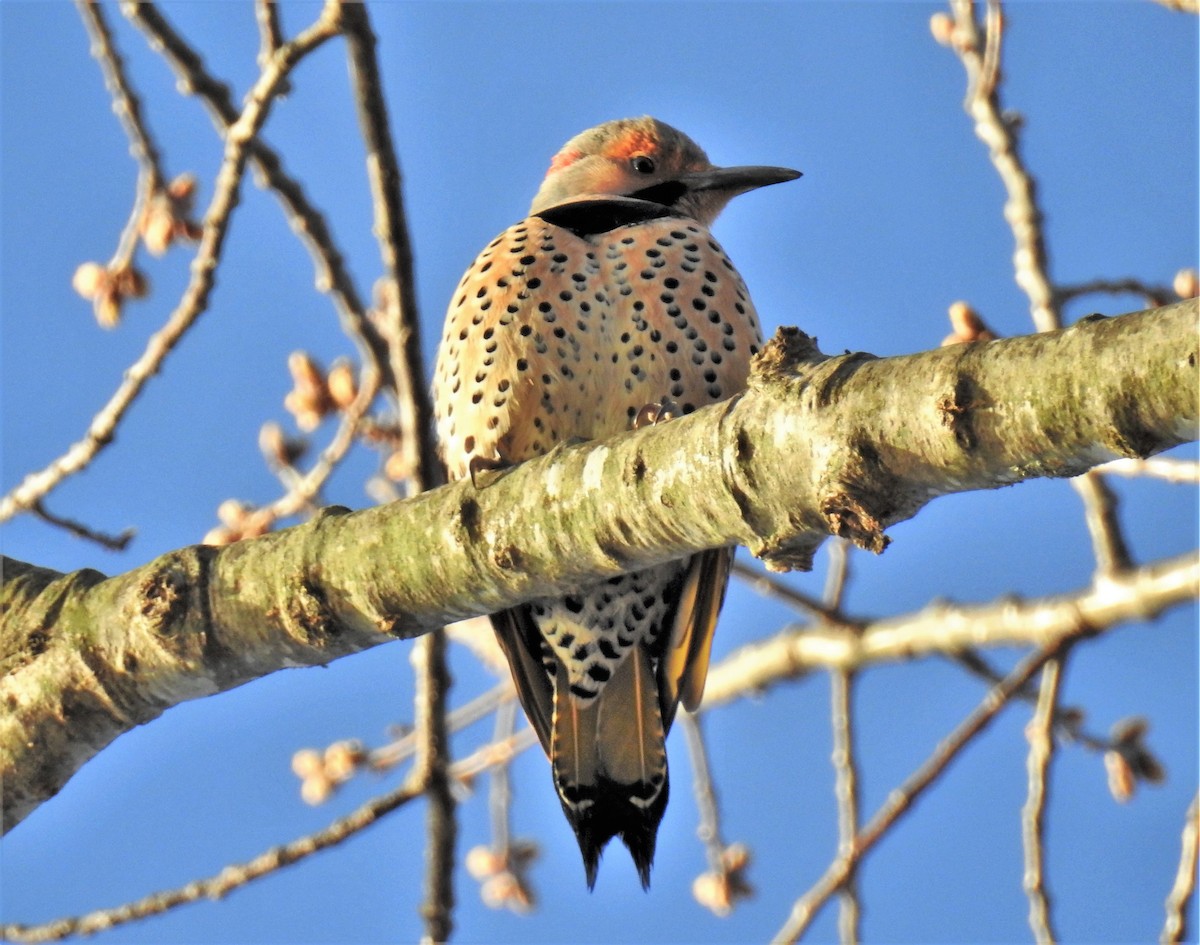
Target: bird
608	306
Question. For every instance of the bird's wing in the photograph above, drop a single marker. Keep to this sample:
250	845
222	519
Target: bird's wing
522	644
683	666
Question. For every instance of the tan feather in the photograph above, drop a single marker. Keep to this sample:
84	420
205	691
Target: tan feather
631	732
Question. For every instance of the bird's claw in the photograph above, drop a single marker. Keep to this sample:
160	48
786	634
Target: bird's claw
477	464
660	412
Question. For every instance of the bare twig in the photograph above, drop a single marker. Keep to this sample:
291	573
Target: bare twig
270	33
998	131
724	883
1175	927
1100	514
126	104
902	798
1068	720
1160	467
230	878
415	416
270	861
844	763
400	320
1153	295
1040	733
708	807
770	586
490	701
944	628
111	542
195	297
307	222
431	771
500	786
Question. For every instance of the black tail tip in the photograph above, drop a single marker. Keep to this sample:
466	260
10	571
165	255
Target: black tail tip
614	815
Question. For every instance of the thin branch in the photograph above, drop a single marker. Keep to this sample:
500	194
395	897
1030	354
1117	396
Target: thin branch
1169	470
484	704
128	109
270	861
126	104
400	319
1180	897
431	771
998	131
902	798
306	221
845	765
270	33
1153	295
1040	733
195	298
1100	513
415	417
1068	721
707	805
943	628
724	883
78	529
769	586
500	780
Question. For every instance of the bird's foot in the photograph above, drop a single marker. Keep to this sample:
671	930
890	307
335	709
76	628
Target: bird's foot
660	412
479	464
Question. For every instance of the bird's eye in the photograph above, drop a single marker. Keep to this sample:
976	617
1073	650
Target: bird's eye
642	164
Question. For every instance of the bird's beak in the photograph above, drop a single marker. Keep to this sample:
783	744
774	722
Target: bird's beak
737	180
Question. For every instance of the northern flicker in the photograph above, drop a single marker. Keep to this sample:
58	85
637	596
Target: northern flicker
610	297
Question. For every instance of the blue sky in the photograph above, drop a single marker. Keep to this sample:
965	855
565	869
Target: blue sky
898	214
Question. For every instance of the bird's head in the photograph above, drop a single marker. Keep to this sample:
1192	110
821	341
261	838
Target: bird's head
645	159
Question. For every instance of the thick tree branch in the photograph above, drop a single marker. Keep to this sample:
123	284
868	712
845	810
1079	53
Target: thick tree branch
817	445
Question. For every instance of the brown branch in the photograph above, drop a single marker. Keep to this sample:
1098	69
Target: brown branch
266	13
998	131
1178	900
431	770
307	222
126	104
1159	467
400	319
415	418
769	586
195	297
902	798
1040	733
723	884
78	529
947	628
1152	295
270	861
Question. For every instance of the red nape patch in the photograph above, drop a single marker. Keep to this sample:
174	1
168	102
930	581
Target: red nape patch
634	141
564	158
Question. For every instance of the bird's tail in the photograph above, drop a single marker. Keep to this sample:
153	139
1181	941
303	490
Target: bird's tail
610	763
